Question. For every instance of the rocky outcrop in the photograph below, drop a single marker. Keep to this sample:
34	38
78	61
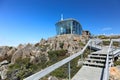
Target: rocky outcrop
38	52
28	51
67	42
6	53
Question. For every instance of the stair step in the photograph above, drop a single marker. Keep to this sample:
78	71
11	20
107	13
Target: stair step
98	57
100	54
103	61
93	64
100	60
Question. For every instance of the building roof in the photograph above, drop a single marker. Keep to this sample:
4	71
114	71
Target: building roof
69	19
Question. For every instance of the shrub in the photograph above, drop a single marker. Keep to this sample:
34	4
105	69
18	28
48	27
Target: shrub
116	44
61	45
56	53
106	42
81	44
116	63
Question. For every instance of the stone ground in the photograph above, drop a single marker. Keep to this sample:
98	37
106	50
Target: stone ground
114	73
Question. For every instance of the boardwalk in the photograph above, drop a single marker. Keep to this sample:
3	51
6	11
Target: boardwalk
93	67
89	73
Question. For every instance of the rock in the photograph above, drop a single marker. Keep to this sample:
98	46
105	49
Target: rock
3	69
37	53
3	72
22	52
114	73
70	50
43	41
18	54
13	75
44	57
58	46
80	63
65	46
6	53
32	59
53	46
4	62
20	46
27	51
76	38
1	48
52	78
11	52
3	54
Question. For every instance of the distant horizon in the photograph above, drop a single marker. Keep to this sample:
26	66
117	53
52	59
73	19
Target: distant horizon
53	36
27	21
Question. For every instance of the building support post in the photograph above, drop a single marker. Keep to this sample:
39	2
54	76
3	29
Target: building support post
69	71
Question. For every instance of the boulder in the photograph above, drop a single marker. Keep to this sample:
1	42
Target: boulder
52	78
4	62
20	46
3	54
79	63
3	71
18	54
32	59
65	46
58	46
11	52
42	42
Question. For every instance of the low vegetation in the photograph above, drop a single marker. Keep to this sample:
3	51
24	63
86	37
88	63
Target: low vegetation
108	37
106	43
81	43
23	68
117	44
117	63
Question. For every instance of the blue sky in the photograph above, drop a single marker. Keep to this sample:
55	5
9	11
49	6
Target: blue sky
27	21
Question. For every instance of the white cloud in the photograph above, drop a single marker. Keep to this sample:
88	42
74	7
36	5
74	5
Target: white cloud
107	29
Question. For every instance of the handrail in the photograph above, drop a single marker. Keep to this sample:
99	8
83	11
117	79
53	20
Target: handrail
51	68
106	71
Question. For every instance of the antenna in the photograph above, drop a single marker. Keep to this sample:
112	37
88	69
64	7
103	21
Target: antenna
61	17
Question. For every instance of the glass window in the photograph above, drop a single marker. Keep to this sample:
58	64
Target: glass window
65	27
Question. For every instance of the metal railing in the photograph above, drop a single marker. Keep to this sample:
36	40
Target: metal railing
53	67
95	44
106	71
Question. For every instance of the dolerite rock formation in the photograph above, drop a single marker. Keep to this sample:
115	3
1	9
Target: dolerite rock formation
68	42
39	51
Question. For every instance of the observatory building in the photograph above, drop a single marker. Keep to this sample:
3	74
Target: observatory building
68	26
